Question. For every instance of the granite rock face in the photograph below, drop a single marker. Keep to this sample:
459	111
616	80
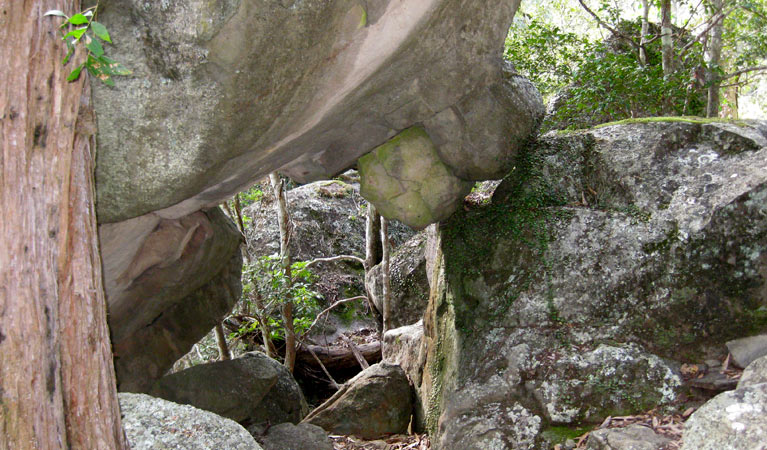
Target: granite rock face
734	420
287	436
252	390
409	284
633	437
755	373
214	105
168	283
156	424
604	255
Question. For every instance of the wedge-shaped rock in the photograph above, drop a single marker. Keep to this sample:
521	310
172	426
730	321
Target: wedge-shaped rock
376	402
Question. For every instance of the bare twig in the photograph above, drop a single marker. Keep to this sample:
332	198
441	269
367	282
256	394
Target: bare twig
329	308
612	30
742	71
711	23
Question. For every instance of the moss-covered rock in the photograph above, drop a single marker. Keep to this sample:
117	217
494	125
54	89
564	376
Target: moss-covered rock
603	252
407	181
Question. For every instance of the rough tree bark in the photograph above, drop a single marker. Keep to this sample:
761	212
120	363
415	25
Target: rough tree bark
385	273
667	43
713	57
372	254
223	348
57	383
645	32
285	260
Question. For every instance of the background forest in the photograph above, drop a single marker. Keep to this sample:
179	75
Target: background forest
599	61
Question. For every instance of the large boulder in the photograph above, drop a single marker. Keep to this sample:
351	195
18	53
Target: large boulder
603	255
409	285
155	424
252	390
608	381
746	350
168	282
404	347
734	420
755	373
376	402
214	104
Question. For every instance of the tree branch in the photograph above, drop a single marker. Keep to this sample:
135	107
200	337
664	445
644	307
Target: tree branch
334	259
711	23
758	14
612	30
742	71
329	308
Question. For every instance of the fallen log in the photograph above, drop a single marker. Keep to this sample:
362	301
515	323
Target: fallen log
337	357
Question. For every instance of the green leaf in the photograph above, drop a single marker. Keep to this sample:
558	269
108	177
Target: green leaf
100	70
55	12
70	52
101	31
78	19
77	33
95	47
115	68
75	74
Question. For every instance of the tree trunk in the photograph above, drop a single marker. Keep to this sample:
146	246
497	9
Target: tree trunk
372	255
223	348
287	305
667	43
238	211
386	282
713	58
266	330
731	94
338	358
645	31
57	382
372	242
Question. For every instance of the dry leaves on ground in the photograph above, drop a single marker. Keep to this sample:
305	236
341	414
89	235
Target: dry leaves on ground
670	425
395	442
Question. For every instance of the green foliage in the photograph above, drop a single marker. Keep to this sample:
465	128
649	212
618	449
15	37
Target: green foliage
82	29
253	195
600	81
544	53
266	276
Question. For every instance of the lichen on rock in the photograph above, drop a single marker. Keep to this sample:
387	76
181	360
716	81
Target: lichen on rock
405	179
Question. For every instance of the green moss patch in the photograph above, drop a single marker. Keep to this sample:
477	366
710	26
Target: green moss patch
684	119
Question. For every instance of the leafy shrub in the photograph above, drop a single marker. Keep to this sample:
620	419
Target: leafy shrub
266	277
592	82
